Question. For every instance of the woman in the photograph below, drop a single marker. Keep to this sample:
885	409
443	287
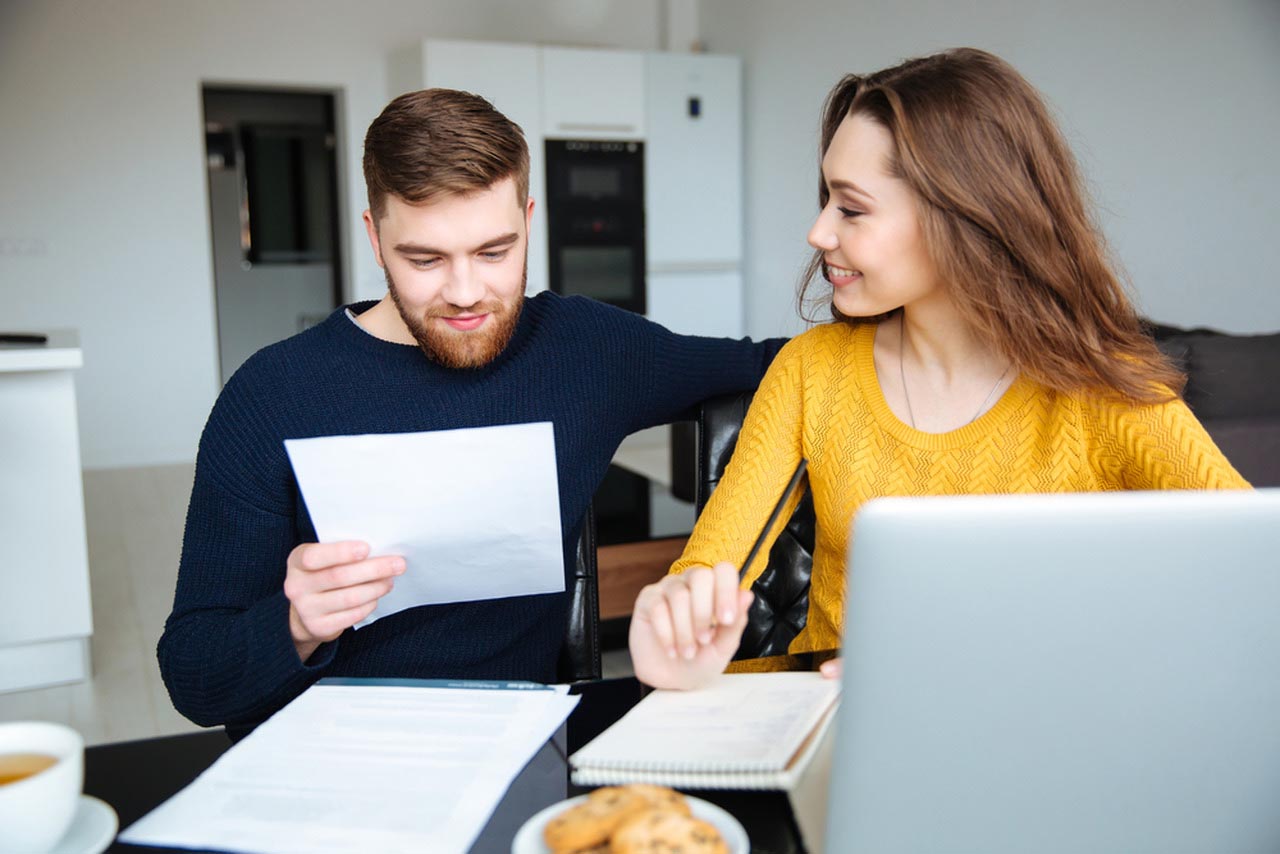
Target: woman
981	344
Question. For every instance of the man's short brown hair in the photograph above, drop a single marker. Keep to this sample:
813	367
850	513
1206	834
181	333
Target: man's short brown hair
438	142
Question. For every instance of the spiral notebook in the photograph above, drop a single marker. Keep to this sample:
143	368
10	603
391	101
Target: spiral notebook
744	731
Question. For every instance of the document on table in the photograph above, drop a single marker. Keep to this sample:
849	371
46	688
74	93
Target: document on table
474	512
365	765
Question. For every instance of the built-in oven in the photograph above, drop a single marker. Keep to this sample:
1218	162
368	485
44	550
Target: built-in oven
595	220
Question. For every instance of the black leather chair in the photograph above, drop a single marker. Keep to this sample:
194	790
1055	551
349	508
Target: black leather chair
580	656
781	606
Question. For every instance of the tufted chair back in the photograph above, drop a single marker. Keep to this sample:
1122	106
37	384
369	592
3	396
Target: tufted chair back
1232	383
781	606
580	656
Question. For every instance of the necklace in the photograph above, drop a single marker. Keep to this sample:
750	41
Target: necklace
902	375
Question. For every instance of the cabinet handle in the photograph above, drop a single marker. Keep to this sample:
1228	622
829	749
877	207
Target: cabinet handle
596	127
669	267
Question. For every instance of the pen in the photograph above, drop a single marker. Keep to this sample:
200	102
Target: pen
773	517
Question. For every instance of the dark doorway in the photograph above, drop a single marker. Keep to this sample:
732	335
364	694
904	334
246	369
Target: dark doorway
273	213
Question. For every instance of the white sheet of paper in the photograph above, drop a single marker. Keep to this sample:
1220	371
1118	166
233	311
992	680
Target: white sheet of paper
474	512
364	768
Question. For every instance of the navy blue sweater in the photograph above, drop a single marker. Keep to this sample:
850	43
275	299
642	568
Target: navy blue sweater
596	372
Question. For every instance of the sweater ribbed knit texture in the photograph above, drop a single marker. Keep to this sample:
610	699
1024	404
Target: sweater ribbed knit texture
597	373
821	400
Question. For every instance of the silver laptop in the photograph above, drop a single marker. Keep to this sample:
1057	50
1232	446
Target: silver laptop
1071	673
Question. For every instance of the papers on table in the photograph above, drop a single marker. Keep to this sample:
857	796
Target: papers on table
475	512
358	765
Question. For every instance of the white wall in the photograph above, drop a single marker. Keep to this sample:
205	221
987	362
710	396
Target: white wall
103	211
1172	107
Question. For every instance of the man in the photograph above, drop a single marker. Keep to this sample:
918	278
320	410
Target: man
261	610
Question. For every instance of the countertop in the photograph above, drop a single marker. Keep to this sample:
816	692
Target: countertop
61	352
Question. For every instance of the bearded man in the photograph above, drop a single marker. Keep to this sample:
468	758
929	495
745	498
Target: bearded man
261	610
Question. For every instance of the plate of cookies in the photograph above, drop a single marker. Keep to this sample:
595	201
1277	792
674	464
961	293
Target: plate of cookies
634	818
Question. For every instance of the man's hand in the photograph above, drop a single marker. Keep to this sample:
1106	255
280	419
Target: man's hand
333	586
686	628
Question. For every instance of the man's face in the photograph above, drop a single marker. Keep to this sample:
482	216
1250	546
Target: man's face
456	269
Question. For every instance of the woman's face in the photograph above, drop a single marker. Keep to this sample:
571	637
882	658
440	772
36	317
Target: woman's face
869	232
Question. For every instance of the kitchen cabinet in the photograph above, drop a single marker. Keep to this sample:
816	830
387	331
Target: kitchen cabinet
592	94
45	613
697	303
693	161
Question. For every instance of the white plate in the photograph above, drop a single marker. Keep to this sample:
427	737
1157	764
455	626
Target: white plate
92	828
529	838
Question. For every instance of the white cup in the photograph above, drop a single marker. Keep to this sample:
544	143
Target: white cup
35	812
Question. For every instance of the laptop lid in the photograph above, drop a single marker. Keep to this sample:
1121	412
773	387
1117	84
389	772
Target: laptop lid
1061	673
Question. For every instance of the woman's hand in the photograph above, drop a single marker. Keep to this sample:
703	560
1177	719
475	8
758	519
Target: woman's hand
686	628
831	669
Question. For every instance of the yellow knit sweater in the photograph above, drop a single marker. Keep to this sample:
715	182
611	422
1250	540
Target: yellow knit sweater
820	400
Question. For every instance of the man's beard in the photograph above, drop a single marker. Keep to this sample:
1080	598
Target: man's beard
464	349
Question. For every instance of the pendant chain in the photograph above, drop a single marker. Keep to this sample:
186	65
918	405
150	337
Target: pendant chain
902	374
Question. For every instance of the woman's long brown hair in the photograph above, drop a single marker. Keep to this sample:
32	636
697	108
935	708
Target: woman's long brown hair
1004	218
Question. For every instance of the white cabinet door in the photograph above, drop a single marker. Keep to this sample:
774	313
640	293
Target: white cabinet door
592	94
693	162
507	76
45	607
697	303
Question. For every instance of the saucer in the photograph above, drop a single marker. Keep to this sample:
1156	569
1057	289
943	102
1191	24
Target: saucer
92	828
529	838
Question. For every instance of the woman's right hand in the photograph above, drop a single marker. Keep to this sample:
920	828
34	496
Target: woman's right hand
686	628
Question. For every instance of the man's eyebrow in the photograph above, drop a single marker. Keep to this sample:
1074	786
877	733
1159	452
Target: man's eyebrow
423	249
849	186
504	240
